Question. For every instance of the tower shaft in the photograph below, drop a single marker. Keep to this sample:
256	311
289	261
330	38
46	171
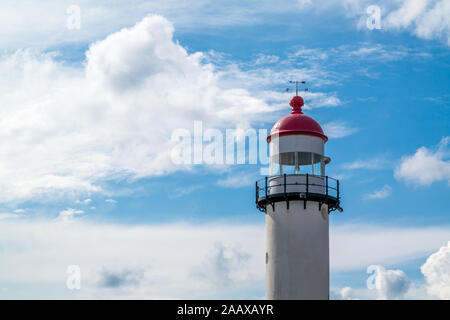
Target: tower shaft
297	257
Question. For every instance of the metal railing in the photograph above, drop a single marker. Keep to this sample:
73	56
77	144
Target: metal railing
323	189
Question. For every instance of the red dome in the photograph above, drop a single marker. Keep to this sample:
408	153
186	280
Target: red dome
297	123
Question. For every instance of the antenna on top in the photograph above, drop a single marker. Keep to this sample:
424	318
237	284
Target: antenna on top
296	86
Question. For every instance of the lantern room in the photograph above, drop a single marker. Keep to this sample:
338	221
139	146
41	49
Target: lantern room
297	144
298	161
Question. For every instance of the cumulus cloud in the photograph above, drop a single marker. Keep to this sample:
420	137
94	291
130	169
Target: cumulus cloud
437	273
68	131
390	284
426	166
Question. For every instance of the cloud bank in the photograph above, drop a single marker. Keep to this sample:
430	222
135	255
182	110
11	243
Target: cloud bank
181	260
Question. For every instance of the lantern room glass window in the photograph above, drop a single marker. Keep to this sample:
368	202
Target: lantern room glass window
298	163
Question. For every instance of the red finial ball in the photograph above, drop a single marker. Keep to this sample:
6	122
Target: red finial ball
297	103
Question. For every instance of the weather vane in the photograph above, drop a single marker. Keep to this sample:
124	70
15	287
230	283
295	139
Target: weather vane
296	86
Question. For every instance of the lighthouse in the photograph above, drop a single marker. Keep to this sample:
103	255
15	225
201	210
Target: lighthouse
297	198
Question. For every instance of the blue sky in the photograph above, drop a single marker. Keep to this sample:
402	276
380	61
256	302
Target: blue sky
88	115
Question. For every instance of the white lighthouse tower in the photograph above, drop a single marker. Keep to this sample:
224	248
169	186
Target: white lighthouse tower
297	198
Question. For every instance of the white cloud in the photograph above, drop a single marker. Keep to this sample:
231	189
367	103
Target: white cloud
347	293
394	284
45	25
225	265
177	260
310	54
7	215
261	80
391	284
381	193
408	12
362	53
111	201
85	201
320	99
69	214
68	131
359	246
146	261
437	273
426	166
336	129
428	19
266	59
377	52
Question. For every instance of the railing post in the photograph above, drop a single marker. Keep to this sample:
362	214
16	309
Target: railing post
307	185
326	185
266	191
285	194
307	191
337	189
